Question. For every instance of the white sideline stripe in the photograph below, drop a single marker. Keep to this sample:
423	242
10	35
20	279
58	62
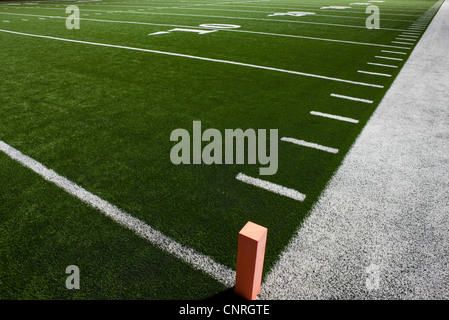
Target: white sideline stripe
396	52
188	255
278	189
309	144
340	96
228	30
199	58
333	116
408	36
389	58
374	73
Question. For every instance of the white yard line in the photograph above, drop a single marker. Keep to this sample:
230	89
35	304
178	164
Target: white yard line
374	73
232	5
382	65
400	42
309	145
272	187
405	39
333	116
395	52
227	30
274	11
340	96
311	9
234	18
198	58
163	242
389	58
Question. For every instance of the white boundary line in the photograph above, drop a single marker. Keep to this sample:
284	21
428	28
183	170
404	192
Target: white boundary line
309	144
197	260
198	58
269	186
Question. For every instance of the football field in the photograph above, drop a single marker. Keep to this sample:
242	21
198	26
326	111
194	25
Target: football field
86	116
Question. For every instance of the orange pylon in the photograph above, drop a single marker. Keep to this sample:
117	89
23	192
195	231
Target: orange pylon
250	256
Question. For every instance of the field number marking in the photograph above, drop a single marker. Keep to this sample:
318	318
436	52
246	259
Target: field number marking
214	26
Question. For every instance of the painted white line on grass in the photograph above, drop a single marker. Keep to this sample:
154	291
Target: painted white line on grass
309	144
241	18
163	242
309	8
399	42
374	73
395	52
405	39
269	186
381	65
198	58
228	30
232	5
272	12
340	96
333	116
389	58
321	39
409	36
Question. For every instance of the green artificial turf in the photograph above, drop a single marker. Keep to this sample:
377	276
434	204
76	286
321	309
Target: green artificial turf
102	117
